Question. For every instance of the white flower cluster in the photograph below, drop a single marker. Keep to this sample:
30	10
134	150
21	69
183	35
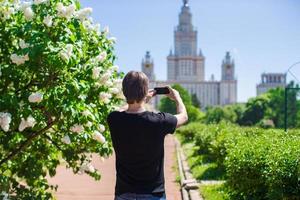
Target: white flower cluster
5	119
5	196
29	122
97	135
65	11
28	12
86	113
19	60
83	13
101	57
66	54
105	97
105	77
66	139
37	2
91	27
77	128
117	89
48	21
7	12
96	72
106	30
23	44
35	97
86	167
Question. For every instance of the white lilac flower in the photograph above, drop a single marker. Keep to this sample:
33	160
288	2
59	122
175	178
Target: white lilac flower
5	119
35	97
69	48
22	125
86	113
106	30
18	60
77	128
115	68
104	77
8	12
24	5
36	2
101	128
5	195
28	13
66	139
89	124
48	21
87	167
96	72
66	54
87	25
101	57
84	13
97	28
114	90
23	44
99	137
65	11
29	122
105	97
113	39
109	83
120	95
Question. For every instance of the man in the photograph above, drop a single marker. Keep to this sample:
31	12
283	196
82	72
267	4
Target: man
138	140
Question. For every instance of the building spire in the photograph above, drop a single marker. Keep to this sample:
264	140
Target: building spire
186	3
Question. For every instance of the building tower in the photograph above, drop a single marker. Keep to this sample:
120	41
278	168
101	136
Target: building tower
270	81
148	66
228	84
185	64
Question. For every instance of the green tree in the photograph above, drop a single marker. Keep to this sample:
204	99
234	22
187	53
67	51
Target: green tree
58	83
168	105
195	101
256	109
277	105
217	114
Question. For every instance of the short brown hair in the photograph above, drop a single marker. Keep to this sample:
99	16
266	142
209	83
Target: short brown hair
135	86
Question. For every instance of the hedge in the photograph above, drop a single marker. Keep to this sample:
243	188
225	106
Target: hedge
259	163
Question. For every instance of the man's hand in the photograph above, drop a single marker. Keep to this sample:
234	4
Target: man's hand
174	94
151	93
181	115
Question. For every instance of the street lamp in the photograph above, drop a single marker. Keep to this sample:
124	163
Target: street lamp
286	93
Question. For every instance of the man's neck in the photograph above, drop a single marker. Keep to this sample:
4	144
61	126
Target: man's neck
136	108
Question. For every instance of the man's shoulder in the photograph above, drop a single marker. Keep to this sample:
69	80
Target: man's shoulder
113	114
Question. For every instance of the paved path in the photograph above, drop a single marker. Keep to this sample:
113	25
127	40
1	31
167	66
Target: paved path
83	187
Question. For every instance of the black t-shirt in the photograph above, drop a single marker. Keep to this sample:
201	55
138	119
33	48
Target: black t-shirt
138	141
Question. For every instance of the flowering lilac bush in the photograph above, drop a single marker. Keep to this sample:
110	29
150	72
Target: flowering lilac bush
57	85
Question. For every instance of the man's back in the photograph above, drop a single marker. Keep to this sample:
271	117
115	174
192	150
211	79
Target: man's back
138	140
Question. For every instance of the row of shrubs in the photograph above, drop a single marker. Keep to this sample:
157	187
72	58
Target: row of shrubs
258	163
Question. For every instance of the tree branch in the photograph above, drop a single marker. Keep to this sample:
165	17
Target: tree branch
25	143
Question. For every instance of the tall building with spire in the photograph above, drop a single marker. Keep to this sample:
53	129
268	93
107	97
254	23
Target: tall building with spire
186	66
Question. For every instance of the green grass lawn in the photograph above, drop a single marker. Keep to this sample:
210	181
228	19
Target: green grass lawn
201	170
213	192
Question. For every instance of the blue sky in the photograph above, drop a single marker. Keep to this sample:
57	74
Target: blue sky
263	36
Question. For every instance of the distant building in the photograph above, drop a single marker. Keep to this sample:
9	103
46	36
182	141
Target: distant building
270	81
186	66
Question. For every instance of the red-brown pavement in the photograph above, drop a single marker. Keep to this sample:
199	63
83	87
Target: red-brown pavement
84	187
